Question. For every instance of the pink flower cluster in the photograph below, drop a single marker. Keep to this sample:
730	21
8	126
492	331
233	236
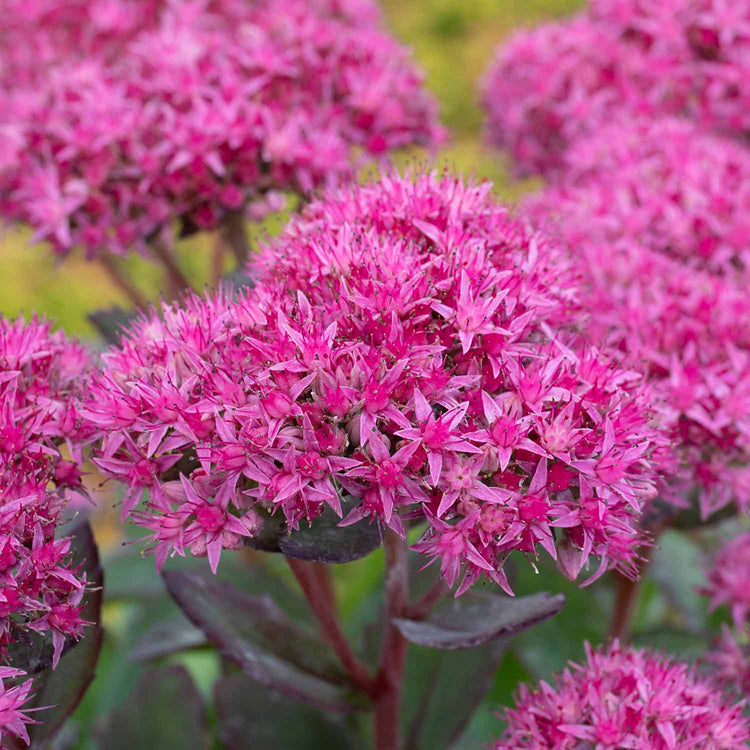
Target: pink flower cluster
625	698
728	577
13	717
729	661
619	59
655	212
726	585
665	185
38	587
408	346
193	110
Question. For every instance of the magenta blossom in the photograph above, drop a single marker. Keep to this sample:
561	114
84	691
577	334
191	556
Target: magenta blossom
409	352
554	84
729	661
625	698
13	716
639	201
727	580
200	112
39	588
663	184
618	59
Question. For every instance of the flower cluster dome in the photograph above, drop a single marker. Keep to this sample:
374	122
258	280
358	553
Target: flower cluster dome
409	352
656	213
39	422
618	59
191	111
623	697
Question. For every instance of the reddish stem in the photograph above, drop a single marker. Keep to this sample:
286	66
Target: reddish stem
233	229
626	598
122	282
390	677
419	610
217	259
321	603
176	279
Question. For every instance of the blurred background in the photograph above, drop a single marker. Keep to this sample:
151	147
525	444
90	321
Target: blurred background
454	41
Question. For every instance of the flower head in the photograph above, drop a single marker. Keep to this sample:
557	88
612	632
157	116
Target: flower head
39	587
729	661
656	211
625	698
727	579
619	59
193	111
408	346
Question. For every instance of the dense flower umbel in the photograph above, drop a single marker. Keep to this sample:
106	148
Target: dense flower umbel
625	698
664	184
729	661
203	112
13	716
683	327
551	85
38	587
554	84
728	577
406	345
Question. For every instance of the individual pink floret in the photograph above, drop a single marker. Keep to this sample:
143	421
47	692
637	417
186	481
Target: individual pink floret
623	697
13	716
408	346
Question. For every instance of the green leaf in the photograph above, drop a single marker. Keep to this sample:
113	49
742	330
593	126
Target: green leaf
164	711
443	689
256	635
473	620
251	716
327	542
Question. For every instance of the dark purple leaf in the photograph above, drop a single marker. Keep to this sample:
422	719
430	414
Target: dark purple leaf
251	716
111	323
327	542
473	620
167	637
164	711
443	689
257	636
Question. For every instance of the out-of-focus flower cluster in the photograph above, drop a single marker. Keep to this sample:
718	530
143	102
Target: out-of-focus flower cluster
39	588
728	577
408	345
726	585
13	717
618	59
132	114
655	212
625	698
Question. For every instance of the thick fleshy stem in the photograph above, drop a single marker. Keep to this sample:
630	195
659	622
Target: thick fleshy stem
233	229
420	609
122	282
217	259
390	677
626	597
176	279
323	607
